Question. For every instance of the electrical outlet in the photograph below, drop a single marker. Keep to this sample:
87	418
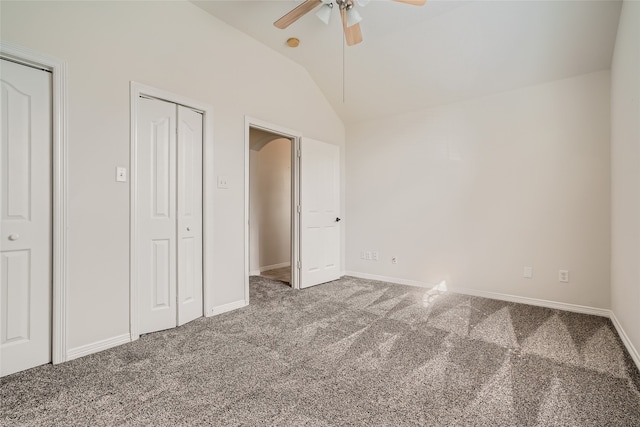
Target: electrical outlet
374	255
394	259
528	272
223	181
563	276
121	174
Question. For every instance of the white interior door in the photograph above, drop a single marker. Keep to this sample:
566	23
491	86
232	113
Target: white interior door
320	212
189	215
25	227
156	222
169	223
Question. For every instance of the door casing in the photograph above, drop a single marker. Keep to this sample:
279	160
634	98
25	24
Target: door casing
59	186
295	137
208	183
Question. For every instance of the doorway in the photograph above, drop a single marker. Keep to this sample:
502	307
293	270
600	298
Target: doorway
270	205
315	208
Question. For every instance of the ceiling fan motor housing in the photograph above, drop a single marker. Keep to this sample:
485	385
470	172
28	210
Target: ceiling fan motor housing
345	4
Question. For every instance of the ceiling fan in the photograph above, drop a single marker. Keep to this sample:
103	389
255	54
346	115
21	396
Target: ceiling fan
350	17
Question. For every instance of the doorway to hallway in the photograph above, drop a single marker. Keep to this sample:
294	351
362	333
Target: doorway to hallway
270	205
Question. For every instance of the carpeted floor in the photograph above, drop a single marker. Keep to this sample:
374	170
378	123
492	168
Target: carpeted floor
282	274
351	352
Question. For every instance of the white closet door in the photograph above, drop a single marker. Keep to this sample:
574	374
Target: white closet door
25	227
189	215
320	222
156	210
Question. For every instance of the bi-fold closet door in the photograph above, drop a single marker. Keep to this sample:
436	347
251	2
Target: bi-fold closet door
169	214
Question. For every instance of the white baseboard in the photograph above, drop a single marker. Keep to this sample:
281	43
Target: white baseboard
227	307
625	340
602	312
274	266
492	295
254	273
87	349
389	279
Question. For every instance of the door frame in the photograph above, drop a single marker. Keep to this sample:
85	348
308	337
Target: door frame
208	183
295	137
59	186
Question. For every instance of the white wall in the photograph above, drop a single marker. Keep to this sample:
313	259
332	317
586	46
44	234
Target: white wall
177	47
470	193
274	201
625	168
270	202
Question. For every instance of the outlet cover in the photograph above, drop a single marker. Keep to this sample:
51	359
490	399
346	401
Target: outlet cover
528	272
223	181
563	276
121	174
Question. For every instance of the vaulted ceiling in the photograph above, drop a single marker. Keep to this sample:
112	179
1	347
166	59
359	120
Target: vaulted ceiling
419	57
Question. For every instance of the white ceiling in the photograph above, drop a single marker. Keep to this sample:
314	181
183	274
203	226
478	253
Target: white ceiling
419	57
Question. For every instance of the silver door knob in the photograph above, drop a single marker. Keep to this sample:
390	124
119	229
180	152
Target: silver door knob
14	236
188	228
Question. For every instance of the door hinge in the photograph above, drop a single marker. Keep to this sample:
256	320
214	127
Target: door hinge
299	208
299	265
299	153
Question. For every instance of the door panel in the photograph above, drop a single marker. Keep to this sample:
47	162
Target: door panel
17	148
189	215
16	291
25	214
161	284
161	165
320	203
156	222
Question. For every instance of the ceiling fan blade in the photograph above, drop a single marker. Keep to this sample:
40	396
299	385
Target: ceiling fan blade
413	2
297	13
352	34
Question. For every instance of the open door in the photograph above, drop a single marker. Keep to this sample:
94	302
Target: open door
320	226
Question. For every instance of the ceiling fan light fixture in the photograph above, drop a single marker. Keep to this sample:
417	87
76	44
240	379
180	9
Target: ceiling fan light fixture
353	17
324	14
362	3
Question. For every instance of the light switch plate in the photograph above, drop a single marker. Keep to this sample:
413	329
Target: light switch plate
121	174
223	181
528	273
